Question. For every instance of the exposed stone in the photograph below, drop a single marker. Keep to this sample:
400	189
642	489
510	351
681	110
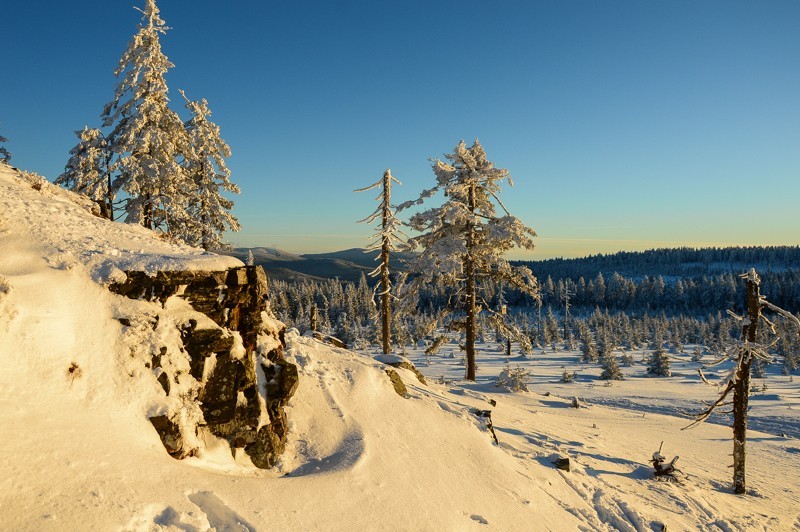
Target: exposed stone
202	343
229	396
163	380
328	339
409	366
562	464
170	435
264	451
281	381
398	361
397	382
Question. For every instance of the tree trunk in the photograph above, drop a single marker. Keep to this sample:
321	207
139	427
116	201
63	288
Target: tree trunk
539	322
313	318
386	309
110	193
147	212
741	388
469	271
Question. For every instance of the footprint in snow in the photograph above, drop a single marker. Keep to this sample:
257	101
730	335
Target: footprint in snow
219	515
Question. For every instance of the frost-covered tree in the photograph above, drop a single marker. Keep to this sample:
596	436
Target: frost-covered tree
147	138
207	176
388	239
87	171
611	370
464	240
659	363
588	347
5	155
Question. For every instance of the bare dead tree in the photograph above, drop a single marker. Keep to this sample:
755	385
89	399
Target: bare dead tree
387	241
744	352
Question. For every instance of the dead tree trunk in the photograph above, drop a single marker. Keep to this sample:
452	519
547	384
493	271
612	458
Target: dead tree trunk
469	271
741	389
109	193
386	309
386	238
313	318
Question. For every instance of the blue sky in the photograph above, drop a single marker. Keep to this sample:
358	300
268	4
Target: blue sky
625	125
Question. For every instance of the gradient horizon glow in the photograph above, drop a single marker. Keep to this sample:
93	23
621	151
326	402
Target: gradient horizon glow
626	125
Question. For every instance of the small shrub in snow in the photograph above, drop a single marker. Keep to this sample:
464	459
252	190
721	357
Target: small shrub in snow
759	368
568	376
36	181
74	372
513	379
697	354
5	286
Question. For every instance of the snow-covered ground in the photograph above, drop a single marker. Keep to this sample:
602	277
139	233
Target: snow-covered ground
77	451
774	403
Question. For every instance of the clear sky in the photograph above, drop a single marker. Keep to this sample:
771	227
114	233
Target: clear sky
625	124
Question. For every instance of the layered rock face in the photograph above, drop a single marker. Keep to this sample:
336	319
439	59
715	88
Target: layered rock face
236	359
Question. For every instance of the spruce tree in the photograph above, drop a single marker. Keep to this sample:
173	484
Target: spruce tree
659	363
463	241
207	210
588	348
611	370
147	137
87	171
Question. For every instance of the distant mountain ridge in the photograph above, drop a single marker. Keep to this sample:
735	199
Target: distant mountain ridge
349	264
346	265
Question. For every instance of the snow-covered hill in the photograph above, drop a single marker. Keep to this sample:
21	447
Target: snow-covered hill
78	453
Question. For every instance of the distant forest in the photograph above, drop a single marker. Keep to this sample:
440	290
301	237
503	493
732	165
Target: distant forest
610	309
682	281
674	262
675	281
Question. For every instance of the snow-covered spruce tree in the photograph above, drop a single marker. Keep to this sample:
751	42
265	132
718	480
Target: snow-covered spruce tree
464	240
611	370
87	171
147	138
659	363
5	155
745	352
588	347
207	176
387	241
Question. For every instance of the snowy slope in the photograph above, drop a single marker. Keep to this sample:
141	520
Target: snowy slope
60	225
77	451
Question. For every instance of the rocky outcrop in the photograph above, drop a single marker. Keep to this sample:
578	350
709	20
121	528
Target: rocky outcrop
397	382
398	361
236	357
